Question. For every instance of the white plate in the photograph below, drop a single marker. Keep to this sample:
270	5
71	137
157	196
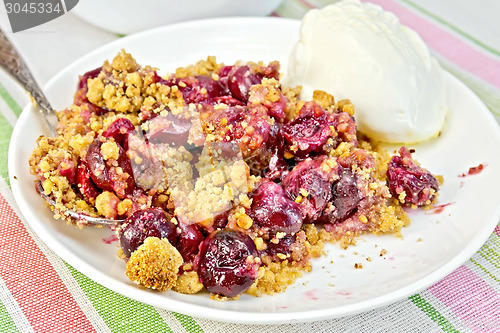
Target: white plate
432	246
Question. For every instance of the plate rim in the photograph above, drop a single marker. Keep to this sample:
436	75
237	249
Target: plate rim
211	313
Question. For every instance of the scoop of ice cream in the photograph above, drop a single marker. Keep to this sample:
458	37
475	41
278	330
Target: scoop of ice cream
360	52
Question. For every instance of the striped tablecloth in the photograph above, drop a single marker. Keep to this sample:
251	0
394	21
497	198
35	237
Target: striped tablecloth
40	292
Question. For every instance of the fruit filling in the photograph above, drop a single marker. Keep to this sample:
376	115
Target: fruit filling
226	180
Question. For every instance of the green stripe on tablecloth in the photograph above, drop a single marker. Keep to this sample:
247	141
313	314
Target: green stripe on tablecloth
491	256
10	101
120	313
484	269
495	239
453	28
6	322
188	323
432	313
5	134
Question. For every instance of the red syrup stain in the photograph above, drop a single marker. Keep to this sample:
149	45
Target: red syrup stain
311	294
111	239
474	170
438	209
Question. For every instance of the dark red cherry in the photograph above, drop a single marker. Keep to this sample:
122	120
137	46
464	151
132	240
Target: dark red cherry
119	179
82	84
85	184
309	130
228	262
283	246
409	181
150	222
345	195
240	79
308	180
168	129
201	88
119	130
189	240
271	209
228	100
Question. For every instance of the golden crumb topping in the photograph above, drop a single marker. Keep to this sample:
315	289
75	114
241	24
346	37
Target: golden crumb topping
188	283
155	264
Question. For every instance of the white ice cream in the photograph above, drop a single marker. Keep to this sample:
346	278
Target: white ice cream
360	52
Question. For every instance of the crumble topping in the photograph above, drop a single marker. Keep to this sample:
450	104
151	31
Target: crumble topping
155	264
218	166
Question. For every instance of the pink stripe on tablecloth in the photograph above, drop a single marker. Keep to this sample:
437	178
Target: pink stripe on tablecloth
497	231
33	282
448	45
471	299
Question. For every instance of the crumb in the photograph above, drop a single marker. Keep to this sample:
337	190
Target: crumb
155	264
188	283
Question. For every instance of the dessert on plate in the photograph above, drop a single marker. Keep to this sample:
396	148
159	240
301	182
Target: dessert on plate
231	180
226	179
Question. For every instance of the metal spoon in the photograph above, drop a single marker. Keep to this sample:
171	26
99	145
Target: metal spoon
14	64
86	219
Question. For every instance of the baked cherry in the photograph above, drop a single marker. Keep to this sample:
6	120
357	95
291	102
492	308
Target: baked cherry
156	78
281	247
228	262
345	195
220	220
272	210
168	129
85	184
82	84
68	169
277	166
119	130
201	88
309	181
188	241
409	182
246	126
106	175
308	131
240	79
80	97
228	100
315	129
150	222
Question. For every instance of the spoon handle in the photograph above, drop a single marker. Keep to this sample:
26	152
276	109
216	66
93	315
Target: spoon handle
14	64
